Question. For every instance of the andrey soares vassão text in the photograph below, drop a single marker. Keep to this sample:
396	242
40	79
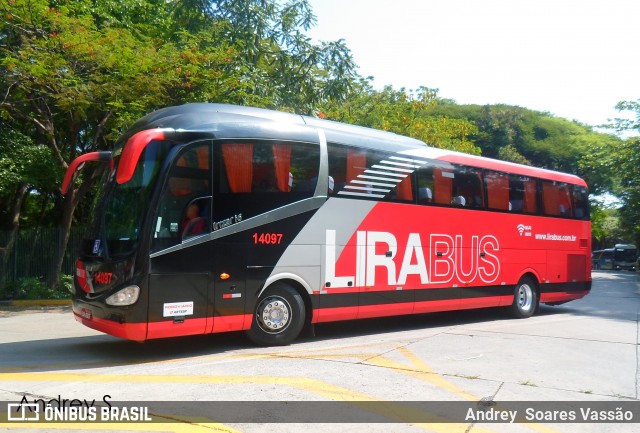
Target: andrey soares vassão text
531	414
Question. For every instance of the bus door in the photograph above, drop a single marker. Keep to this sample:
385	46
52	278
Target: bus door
229	276
181	281
179	301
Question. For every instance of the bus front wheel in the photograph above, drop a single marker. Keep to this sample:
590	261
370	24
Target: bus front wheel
278	318
525	299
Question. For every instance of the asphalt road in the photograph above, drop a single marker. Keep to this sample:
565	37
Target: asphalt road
394	369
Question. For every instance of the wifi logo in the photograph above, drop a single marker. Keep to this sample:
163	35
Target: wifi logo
521	228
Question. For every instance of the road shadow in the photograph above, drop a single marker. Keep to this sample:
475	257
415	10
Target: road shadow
614	296
78	353
414	322
87	352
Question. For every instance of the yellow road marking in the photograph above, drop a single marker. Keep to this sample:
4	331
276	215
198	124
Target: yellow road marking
393	410
423	372
302	353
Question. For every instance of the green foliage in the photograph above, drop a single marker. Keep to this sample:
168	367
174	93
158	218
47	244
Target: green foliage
77	73
526	135
510	153
81	79
403	112
626	124
21	161
33	288
627	156
74	74
277	65
598	229
608	228
621	163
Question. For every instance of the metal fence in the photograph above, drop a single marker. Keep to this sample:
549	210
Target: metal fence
34	252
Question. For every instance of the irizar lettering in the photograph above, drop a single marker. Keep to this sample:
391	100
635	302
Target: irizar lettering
381	259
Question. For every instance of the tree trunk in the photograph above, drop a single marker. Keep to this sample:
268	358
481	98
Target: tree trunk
5	252
38	232
69	207
71	200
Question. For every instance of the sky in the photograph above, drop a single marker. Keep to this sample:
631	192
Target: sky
575	59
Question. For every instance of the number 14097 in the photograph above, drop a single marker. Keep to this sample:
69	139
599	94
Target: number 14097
267	238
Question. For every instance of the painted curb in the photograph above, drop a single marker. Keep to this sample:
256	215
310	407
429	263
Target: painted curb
36	303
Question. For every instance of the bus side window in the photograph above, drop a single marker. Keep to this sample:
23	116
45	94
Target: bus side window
443	185
403	192
356	164
425	195
370	174
197	217
498	191
188	186
255	177
434	184
273	166
346	166
467	184
564	198
269	167
425	184
303	168
238	163
530	197
556	199
337	168
523	195
580	202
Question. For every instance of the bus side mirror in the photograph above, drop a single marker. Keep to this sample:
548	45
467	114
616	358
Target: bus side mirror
78	163
133	149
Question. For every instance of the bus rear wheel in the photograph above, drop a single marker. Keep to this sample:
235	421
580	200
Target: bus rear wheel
278	317
525	299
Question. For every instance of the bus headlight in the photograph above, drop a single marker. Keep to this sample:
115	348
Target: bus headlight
127	296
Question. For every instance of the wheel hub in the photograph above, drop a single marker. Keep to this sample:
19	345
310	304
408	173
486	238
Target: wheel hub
274	315
525	297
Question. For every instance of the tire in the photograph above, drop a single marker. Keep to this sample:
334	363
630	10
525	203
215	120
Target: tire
525	299
278	318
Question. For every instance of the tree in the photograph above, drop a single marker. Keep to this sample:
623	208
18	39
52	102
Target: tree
622	163
403	112
24	166
72	86
536	138
278	65
627	157
75	74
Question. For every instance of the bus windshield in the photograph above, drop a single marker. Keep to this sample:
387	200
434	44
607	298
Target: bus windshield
120	208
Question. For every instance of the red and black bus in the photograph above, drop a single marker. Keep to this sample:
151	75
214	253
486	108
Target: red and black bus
215	218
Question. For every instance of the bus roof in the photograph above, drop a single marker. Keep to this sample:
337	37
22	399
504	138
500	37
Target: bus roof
223	119
510	167
233	121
